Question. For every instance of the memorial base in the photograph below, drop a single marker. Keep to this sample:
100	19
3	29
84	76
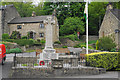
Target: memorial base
47	55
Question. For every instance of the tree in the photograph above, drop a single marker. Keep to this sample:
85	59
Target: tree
96	12
72	25
64	10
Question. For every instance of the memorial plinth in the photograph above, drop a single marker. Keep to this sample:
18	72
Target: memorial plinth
49	53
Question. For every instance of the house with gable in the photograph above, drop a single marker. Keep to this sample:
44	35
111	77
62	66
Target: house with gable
34	25
111	24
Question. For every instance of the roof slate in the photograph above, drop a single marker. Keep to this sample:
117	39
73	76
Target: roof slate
116	12
29	19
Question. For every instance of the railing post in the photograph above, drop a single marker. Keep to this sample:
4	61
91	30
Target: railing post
14	59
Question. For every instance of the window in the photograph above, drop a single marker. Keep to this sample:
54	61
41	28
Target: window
41	25
19	27
41	34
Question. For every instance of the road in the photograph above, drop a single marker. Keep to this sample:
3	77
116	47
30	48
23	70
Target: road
5	70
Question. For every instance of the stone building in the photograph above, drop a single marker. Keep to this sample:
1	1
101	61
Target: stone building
34	26
7	13
111	24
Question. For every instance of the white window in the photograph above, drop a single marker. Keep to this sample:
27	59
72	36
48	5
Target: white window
41	34
19	27
41	25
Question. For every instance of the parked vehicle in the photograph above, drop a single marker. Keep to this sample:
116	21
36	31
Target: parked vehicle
2	54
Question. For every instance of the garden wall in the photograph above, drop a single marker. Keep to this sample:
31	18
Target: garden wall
90	37
50	72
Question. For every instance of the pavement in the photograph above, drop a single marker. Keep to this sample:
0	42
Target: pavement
5	70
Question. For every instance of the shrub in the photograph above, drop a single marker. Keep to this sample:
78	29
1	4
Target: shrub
15	50
108	60
81	46
24	37
106	43
77	46
9	40
64	47
42	41
57	42
5	36
24	42
14	35
97	45
71	37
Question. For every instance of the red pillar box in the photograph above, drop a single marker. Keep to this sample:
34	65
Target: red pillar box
42	63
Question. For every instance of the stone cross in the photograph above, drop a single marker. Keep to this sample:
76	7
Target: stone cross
49	53
49	32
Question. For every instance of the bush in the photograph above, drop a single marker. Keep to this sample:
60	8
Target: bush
64	47
24	37
106	43
14	35
97	45
42	41
71	37
81	46
5	36
24	42
9	40
108	60
57	42
15	50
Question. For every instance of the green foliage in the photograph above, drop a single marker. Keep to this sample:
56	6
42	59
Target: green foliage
113	50
64	47
92	42
64	10
96	12
24	8
15	50
72	25
24	37
106	43
108	60
9	40
14	35
57	42
42	41
97	45
71	37
5	36
82	45
30	51
24	42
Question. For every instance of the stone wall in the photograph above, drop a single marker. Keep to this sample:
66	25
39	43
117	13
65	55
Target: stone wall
50	72
90	37
26	60
42	72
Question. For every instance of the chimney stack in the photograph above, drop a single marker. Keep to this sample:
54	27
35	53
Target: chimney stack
109	6
33	14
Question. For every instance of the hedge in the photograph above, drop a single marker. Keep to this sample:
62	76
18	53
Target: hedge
22	42
15	50
108	60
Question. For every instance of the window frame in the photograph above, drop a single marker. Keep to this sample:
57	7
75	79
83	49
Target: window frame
41	25
18	27
41	34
